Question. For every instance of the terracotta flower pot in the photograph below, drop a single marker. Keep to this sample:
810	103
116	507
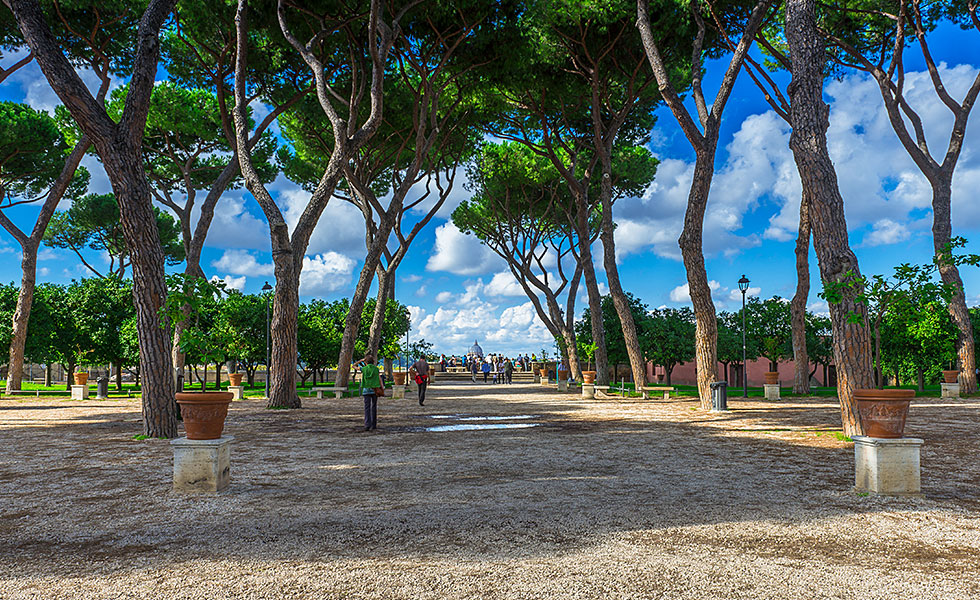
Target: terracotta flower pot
235	379
588	376
544	372
883	412
81	378
772	377
204	413
399	377
950	376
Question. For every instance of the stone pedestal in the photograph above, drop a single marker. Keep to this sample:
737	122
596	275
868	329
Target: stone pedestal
772	391
397	391
562	385
412	386
202	465
950	390
545	381
237	391
537	378
79	392
888	467
588	390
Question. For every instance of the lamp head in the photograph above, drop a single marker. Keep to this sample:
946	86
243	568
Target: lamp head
743	283
266	287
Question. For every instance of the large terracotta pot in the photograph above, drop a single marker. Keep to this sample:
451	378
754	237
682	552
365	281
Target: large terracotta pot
772	377
235	379
204	413
81	378
399	377
544	373
883	412
950	376
588	376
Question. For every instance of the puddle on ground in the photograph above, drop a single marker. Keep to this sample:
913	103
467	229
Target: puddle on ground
483	418
480	426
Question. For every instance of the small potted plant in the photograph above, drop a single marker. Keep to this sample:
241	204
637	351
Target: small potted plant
203	412
588	351
950	376
81	378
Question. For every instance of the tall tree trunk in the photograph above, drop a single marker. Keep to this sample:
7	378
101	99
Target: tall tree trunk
801	359
958	311
378	318
47	375
632	340
25	297
808	141
283	333
690	242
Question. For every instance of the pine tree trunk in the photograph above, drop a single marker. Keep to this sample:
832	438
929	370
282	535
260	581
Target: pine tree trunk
283	333
632	340
801	359
47	375
378	318
808	141
958	311
690	242
25	297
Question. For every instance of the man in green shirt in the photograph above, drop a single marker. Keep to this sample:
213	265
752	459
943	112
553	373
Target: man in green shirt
370	379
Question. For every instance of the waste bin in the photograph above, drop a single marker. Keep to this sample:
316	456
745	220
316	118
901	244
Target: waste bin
719	396
102	387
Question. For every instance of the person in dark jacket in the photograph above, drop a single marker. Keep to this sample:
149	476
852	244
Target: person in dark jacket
370	379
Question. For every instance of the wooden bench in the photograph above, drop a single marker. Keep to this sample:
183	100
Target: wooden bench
657	388
338	392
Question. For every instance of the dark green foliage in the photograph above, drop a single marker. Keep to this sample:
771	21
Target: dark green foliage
93	223
32	152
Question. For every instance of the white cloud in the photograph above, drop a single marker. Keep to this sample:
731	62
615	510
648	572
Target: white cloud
750	292
242	262
886	231
444	297
235	283
682	293
504	284
412	278
325	273
460	254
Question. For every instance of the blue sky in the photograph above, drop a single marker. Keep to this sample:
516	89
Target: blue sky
458	291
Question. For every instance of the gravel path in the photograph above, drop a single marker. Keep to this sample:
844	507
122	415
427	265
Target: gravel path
600	500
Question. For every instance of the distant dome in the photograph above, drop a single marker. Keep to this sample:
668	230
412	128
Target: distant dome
475	350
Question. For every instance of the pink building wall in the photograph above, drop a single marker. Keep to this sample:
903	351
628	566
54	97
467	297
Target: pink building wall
686	373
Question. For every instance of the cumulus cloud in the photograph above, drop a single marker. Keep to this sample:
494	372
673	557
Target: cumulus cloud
444	297
235	283
504	284
886	231
682	293
325	273
241	262
460	254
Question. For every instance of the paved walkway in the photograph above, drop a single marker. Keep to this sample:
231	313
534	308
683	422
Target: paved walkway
599	500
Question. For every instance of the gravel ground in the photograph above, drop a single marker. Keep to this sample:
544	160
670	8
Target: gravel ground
602	499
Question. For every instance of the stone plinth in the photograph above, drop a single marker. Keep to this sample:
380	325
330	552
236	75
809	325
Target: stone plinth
237	391
397	391
545	381
202	465
772	391
562	385
79	392
887	466
588	390
537	378
950	390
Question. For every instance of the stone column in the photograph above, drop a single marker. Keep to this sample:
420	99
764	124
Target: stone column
887	466
772	391
950	391
202	465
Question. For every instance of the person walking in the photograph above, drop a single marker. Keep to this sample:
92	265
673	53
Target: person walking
370	384
473	369
420	370
485	367
508	371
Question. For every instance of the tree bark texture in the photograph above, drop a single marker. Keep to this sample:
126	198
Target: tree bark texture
797	307
595	314
283	333
958	311
637	364
808	141
690	242
119	146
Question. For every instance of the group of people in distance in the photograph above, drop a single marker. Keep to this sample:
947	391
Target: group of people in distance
519	363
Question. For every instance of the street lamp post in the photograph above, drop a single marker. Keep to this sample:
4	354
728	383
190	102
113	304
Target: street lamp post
267	288
743	285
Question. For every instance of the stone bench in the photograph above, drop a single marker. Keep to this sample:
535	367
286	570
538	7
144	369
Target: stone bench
338	392
656	388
